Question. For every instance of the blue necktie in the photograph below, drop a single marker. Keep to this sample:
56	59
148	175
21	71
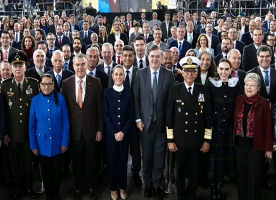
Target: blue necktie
266	78
51	53
58	80
180	47
91	74
66	65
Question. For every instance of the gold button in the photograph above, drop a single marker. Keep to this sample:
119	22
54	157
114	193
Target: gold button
186	130
20	106
119	123
20	121
119	116
186	122
195	131
187	113
119	100
20	114
49	128
196	113
195	122
50	138
198	103
119	108
182	103
223	108
225	96
49	119
20	99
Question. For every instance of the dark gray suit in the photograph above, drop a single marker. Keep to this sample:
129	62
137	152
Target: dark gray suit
153	136
11	51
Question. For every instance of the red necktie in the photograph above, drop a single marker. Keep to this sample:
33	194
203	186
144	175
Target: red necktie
60	43
233	46
234	74
129	25
119	60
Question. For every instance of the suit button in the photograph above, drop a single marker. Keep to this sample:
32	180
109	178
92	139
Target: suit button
195	122
225	96
20	114
119	100
196	113
186	130
186	122
49	128
119	108
119	116
119	123
20	121
50	138
20	99
49	119
186	113
195	131
20	106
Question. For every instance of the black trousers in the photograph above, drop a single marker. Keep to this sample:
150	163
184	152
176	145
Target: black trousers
20	153
101	155
83	157
5	163
249	172
135	151
187	160
51	172
154	147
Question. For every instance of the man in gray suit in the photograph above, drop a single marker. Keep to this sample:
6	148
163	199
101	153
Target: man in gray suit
151	90
6	48
157	35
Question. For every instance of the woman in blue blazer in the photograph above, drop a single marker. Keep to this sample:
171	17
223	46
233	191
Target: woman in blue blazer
49	133
118	107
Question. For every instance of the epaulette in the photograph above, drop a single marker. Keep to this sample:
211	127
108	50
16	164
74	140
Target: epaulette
30	78
7	80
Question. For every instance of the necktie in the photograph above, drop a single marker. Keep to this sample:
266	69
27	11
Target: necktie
60	43
234	74
190	39
51	52
141	64
58	80
66	65
127	82
119	60
190	92
85	37
129	25
19	89
6	55
80	93
91	74
146	38
266	78
108	71
233	45
40	73
180	47
154	94
16	37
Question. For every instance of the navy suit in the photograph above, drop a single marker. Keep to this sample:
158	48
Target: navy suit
249	57
17	45
101	67
195	37
266	26
65	40
103	78
76	27
65	74
118	104
86	41
111	38
214	43
218	57
214	32
185	47
33	73
246	38
149	39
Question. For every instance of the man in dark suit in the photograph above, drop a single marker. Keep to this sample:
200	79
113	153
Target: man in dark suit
249	58
84	100
18	36
146	32
181	43
177	69
226	46
6	48
76	34
189	123
141	60
117	33
48	63
214	39
166	26
66	30
151	90
195	20
39	69
51	40
60	38
108	64
18	93
2	119
85	34
36	27
247	38
58	72
128	22
236	44
201	25
73	25
68	63
191	36
234	56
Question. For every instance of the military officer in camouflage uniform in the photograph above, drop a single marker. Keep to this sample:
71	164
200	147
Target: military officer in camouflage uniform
189	123
18	93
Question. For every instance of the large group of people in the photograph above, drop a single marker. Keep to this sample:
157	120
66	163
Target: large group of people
85	94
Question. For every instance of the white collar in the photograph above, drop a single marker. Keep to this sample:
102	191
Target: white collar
118	88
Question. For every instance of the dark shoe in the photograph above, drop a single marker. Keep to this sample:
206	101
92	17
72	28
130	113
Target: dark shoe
49	198
191	197
219	195
66	174
56	198
93	194
32	194
137	181
267	184
148	191
77	195
15	196
213	189
157	193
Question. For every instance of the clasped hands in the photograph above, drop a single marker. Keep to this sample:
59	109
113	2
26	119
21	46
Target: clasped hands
119	136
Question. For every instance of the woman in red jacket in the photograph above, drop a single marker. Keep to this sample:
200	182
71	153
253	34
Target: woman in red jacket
252	138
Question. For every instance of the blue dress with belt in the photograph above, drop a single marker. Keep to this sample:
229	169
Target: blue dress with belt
118	110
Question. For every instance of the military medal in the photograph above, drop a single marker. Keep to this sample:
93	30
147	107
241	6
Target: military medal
10	93
201	98
29	90
10	104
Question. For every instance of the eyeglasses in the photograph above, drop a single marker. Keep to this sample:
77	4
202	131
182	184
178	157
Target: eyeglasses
66	51
190	70
46	84
50	39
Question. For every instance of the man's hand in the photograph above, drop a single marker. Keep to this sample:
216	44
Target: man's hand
172	147
63	149
140	125
99	136
6	140
205	147
268	154
119	136
35	152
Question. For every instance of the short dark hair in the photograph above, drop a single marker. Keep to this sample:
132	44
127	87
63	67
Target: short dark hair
40	31
6	32
139	38
264	48
128	48
154	47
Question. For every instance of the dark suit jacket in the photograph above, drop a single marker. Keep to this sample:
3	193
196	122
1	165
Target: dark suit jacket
85	121
272	66
134	71
185	47
195	37
150	38
241	76
198	78
135	63
17	45
103	78
82	37
52	29
266	26
263	92
144	99
76	28
33	74
65	40
65	74
218	57
246	38
111	38
101	67
71	68
70	36
48	63
214	43
163	28
11	51
214	32
249	57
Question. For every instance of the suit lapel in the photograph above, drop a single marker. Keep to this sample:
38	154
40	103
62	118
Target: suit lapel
185	95
160	80
263	87
147	82
87	88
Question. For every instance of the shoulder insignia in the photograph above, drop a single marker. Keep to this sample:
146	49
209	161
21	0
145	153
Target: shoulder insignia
31	79
216	83
232	82
7	80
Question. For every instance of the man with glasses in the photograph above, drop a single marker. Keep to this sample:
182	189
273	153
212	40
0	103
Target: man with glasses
42	46
247	38
51	40
18	92
68	64
189	123
112	38
214	40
